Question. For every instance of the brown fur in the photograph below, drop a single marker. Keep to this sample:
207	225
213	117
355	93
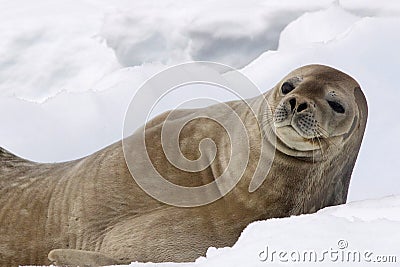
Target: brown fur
94	205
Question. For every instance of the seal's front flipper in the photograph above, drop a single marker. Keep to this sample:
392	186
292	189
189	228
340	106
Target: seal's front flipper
74	257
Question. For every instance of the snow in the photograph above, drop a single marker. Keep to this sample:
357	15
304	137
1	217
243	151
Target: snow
231	33
68	70
47	47
304	32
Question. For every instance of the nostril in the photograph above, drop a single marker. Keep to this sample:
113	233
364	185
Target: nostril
302	107
292	103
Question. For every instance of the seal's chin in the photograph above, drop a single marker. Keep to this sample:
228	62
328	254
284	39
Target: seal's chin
291	138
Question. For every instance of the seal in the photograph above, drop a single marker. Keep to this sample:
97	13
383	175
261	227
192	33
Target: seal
91	212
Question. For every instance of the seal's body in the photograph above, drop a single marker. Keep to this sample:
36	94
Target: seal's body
90	211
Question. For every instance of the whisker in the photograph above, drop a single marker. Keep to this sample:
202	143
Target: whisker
322	131
320	146
326	139
312	140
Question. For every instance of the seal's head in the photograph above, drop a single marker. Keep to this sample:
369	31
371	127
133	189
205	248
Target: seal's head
314	109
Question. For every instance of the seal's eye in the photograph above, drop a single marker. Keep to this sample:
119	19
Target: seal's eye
287	87
336	106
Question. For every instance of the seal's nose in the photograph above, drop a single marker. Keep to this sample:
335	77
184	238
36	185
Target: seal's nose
301	107
292	103
294	106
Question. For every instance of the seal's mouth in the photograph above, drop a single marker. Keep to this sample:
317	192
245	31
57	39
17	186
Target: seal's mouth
294	140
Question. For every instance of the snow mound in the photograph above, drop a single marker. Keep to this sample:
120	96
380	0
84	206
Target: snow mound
315	27
230	32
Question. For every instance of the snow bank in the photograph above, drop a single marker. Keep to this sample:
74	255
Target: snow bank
316	27
69	124
230	32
